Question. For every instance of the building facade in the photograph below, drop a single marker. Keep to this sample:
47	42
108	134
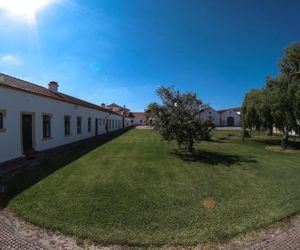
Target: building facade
223	118
36	118
137	118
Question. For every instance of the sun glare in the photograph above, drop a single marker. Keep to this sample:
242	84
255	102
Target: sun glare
24	8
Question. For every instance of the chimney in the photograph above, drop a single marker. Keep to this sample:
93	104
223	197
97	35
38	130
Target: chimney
53	86
103	105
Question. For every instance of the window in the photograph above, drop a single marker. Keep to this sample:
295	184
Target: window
109	124
67	125
131	121
2	115
46	126
89	124
1	120
141	121
78	125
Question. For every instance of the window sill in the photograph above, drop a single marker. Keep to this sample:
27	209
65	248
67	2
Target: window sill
2	130
47	138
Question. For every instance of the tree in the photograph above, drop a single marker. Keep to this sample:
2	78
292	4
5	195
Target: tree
178	117
150	112
278	103
250	115
263	109
282	100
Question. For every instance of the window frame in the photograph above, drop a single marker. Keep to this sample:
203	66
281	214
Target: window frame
79	125
89	124
2	124
65	128
46	126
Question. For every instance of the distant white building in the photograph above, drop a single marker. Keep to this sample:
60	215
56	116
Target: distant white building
230	117
211	114
131	118
34	118
137	118
223	118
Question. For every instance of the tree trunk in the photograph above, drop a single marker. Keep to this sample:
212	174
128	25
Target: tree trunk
285	139
271	131
190	146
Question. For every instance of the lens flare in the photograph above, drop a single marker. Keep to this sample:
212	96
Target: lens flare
24	8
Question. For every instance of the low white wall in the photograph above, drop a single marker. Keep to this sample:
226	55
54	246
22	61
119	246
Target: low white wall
14	102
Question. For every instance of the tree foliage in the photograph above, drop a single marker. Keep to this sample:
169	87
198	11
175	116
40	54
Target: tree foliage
278	103
178	117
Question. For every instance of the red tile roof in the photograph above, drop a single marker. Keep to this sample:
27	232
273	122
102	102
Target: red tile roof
234	109
138	115
21	85
114	105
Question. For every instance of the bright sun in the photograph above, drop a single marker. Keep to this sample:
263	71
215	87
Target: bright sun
24	8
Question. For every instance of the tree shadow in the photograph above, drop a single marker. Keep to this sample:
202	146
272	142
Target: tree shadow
213	158
32	171
277	142
219	140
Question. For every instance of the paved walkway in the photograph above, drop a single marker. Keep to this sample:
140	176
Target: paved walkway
10	240
289	240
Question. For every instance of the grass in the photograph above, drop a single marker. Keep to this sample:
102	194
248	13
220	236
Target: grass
139	190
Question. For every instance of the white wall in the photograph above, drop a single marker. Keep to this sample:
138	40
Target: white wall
15	102
127	122
211	114
229	113
137	121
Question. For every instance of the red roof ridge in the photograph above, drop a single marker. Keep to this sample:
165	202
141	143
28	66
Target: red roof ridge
26	86
234	109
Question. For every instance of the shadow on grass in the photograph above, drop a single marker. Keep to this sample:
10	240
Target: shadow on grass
219	140
277	142
47	162
212	158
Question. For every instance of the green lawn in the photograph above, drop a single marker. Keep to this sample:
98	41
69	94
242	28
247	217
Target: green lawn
136	190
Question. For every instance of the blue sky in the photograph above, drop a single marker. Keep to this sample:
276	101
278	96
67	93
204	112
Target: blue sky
122	50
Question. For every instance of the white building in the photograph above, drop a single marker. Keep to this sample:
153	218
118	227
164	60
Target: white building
211	114
34	118
134	118
222	118
137	118
230	117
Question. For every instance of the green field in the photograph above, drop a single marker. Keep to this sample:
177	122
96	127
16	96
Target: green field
138	190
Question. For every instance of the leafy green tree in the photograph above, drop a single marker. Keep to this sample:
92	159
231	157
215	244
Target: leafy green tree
263	110
150	113
250	114
178	117
278	103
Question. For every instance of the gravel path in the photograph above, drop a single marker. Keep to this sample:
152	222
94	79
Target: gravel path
9	240
15	234
289	240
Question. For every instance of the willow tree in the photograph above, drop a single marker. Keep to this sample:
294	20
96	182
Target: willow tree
278	103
